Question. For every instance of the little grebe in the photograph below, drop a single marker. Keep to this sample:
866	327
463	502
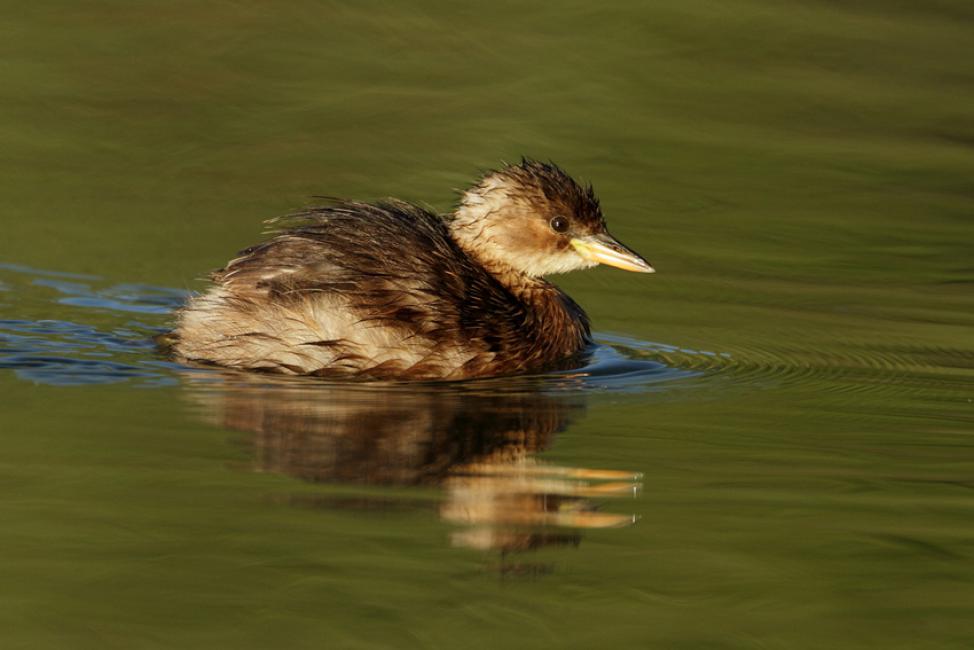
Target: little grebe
392	291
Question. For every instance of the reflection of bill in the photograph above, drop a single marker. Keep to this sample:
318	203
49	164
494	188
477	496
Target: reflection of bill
509	505
478	444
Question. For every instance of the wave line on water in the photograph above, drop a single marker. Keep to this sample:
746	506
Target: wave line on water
70	349
87	335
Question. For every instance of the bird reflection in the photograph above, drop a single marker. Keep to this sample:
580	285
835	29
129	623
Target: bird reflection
478	445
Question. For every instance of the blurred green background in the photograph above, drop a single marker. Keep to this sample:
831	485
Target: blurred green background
800	174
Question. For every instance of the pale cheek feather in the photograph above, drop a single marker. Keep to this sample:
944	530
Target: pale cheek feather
477	208
541	263
562	262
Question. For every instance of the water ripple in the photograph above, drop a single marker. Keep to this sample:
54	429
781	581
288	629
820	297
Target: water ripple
846	368
86	334
71	350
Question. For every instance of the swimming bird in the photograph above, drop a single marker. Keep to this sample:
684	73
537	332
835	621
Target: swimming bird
393	291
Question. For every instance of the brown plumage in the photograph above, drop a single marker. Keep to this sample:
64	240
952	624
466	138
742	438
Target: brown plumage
392	291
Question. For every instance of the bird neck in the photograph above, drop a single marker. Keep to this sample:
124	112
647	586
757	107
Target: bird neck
558	326
553	316
525	287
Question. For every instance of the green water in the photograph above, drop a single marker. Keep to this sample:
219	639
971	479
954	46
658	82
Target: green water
785	408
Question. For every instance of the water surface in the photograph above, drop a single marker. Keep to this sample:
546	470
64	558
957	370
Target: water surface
771	445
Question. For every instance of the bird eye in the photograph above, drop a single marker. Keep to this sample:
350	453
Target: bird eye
559	224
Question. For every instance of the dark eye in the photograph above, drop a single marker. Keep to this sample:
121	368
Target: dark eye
559	224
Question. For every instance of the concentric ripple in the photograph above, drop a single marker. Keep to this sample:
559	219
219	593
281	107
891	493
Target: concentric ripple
68	329
65	329
846	367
